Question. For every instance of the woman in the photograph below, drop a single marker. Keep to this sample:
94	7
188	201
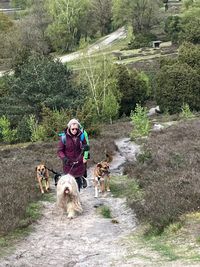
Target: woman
71	153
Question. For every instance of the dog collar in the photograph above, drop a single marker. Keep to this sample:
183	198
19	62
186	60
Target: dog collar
41	175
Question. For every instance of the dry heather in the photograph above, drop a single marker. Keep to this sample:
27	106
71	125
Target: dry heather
18	185
168	173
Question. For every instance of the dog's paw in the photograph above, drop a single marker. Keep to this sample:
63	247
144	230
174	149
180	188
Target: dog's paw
108	190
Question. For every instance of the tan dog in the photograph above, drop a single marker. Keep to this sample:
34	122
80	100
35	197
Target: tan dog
42	176
102	176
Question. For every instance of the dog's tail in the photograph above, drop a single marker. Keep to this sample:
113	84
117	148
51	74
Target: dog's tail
109	157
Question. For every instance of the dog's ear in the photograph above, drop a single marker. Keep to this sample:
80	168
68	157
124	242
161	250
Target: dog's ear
36	168
99	165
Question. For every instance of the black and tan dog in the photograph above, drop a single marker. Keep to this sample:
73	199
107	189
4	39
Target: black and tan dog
102	176
42	175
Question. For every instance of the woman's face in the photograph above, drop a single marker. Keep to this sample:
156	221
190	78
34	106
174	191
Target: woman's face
74	128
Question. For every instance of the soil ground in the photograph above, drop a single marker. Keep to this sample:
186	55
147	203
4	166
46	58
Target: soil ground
89	239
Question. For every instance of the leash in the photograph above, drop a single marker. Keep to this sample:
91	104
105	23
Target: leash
51	170
74	163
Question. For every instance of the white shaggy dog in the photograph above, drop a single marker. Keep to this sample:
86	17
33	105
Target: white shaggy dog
68	198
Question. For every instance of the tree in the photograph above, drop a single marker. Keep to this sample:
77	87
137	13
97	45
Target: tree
39	82
98	75
111	107
176	85
133	87
121	12
190	54
66	16
142	14
33	28
190	30
173	27
25	36
102	15
190	22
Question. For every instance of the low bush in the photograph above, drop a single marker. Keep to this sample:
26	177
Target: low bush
140	122
142	40
168	175
178	84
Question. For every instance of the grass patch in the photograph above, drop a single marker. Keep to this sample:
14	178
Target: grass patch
179	240
105	212
7	242
49	197
123	186
165	250
33	213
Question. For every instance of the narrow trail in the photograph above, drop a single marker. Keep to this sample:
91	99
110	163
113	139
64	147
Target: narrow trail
98	46
87	240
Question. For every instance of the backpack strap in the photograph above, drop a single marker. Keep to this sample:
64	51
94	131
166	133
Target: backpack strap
64	138
82	136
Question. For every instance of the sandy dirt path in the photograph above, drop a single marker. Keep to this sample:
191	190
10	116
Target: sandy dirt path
101	44
87	240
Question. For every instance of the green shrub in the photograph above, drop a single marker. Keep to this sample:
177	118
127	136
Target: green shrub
39	81
142	40
105	212
190	54
186	113
23	130
140	121
173	27
55	121
38	132
178	84
6	133
134	88
190	30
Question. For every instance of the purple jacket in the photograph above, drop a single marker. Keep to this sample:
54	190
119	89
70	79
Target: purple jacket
73	151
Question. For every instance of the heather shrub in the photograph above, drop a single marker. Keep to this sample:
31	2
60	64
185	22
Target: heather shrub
168	174
18	188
